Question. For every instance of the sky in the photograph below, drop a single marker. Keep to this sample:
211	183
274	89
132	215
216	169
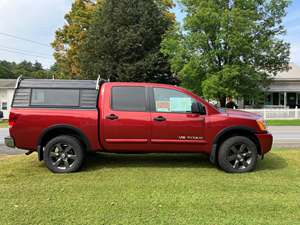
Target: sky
27	27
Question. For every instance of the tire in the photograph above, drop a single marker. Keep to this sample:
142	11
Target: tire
238	155
63	154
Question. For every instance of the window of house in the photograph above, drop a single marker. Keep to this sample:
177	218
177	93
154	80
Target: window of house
281	98
275	98
268	99
167	100
128	99
4	105
55	97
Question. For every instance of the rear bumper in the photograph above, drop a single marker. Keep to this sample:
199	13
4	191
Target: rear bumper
265	141
9	142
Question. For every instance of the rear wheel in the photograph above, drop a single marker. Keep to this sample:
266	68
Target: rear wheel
238	155
63	154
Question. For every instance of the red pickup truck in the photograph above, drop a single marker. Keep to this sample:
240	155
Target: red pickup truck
63	120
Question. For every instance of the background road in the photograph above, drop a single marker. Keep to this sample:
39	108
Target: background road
284	136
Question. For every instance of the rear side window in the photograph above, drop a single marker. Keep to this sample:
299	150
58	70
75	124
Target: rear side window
128	99
55	97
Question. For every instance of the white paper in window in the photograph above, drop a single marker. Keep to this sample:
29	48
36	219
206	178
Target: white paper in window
180	104
162	106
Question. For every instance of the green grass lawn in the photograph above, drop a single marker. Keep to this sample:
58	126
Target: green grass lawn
283	122
3	124
151	189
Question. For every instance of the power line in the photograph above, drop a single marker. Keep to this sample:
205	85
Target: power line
26	51
25	39
22	53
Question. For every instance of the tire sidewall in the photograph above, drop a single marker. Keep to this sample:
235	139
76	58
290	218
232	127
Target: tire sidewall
223	151
77	147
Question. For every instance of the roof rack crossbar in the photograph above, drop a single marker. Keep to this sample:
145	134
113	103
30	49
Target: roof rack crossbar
99	82
18	81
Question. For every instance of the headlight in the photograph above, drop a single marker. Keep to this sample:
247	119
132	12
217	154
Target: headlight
261	125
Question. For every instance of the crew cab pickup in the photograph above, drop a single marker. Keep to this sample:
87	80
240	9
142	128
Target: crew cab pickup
63	120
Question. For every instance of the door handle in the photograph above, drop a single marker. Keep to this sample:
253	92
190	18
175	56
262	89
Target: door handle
112	117
160	119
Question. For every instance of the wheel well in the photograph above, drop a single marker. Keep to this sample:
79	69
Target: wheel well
58	131
233	133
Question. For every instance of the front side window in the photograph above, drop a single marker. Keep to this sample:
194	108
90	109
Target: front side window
128	99
168	100
55	97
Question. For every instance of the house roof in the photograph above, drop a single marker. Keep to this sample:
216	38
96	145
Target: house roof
282	86
292	74
7	83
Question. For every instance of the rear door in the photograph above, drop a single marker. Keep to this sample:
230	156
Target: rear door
174	127
126	119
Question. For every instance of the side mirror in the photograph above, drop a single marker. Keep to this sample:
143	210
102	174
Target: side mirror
198	108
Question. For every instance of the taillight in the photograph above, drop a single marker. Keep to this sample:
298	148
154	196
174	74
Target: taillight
12	119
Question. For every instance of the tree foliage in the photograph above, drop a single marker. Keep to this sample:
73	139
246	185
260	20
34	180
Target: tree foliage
123	42
228	47
12	70
70	37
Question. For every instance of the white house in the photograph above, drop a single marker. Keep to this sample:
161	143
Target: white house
7	87
285	89
283	92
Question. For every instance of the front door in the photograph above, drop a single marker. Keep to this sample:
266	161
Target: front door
126	119
174	127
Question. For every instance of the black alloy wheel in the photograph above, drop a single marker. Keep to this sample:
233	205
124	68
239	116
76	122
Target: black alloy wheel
63	154
237	155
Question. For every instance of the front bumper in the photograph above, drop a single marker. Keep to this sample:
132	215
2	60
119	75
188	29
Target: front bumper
9	142
265	141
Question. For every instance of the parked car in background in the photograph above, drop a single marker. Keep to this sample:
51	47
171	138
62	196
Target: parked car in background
63	120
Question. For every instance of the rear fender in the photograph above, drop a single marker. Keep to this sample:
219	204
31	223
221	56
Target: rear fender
57	130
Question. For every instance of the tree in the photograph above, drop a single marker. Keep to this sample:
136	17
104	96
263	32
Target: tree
69	38
6	70
123	42
12	70
229	47
165	6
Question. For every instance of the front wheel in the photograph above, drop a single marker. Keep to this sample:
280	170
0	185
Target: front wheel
238	155
63	154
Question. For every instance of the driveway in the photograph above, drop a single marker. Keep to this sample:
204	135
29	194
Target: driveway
284	136
5	150
3	133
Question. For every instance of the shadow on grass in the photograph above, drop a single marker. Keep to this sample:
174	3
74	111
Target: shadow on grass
97	161
104	160
272	162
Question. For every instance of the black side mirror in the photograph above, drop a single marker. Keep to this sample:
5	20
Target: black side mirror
198	108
